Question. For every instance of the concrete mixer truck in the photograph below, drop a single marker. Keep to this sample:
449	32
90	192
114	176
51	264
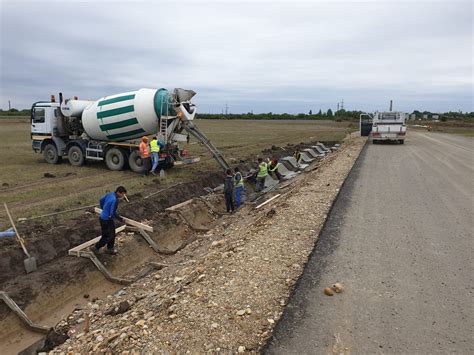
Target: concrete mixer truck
109	129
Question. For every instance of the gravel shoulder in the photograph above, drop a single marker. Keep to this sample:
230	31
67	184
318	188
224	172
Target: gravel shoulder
226	290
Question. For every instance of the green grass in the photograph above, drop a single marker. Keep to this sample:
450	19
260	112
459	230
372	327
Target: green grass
28	193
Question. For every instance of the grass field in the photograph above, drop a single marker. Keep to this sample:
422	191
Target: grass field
26	190
465	128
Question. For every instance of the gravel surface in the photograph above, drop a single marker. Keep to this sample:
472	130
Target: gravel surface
226	290
400	240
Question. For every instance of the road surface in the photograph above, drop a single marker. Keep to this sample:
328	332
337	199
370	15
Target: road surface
400	239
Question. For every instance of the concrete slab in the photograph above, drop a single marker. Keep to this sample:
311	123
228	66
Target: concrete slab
306	157
269	183
323	147
319	149
287	174
312	153
294	163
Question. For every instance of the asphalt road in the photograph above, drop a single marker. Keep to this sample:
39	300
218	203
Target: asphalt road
400	239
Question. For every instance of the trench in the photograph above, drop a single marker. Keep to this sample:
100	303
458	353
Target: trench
64	283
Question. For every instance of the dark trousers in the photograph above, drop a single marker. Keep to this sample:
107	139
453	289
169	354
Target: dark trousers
108	234
229	201
260	184
146	166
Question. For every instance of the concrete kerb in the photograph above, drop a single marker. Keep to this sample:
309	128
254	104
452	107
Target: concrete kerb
306	157
312	153
292	161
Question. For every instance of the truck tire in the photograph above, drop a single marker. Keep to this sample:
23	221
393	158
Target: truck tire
115	159
402	141
375	141
50	154
135	162
75	156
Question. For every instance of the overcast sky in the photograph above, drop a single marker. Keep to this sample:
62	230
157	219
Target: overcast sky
260	56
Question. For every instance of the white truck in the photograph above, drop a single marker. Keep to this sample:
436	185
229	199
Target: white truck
389	126
110	128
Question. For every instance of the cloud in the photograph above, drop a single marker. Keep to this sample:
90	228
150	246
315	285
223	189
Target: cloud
277	56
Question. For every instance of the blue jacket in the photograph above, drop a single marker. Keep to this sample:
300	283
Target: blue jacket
108	204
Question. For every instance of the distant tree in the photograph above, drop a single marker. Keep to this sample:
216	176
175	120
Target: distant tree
320	113
310	112
329	113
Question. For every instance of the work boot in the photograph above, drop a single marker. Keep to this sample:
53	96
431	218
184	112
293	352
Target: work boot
111	251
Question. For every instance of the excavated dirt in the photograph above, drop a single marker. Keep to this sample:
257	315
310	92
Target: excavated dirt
62	279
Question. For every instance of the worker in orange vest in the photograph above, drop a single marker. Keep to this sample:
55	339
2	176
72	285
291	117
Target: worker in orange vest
145	155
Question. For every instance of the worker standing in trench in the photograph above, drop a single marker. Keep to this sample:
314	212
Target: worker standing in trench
109	203
261	175
238	186
229	191
273	168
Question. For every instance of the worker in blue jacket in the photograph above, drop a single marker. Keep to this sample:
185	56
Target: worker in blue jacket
109	203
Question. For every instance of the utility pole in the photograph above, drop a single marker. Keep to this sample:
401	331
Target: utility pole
337	107
9	106
226	109
342	104
391	102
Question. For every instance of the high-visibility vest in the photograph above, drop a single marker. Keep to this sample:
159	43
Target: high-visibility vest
240	182
262	170
154	147
144	152
274	168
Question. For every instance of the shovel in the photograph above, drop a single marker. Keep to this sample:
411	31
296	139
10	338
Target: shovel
29	262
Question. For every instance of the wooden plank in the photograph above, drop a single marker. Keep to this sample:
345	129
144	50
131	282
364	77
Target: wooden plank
130	222
267	201
76	250
22	219
179	205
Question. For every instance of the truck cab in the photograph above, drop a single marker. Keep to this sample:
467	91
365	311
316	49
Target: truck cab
45	135
389	126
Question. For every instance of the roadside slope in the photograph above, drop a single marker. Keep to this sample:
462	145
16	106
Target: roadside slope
228	288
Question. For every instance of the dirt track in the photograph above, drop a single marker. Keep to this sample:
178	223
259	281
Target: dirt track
400	239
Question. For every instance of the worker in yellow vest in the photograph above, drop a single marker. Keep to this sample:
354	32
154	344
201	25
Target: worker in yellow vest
155	154
262	173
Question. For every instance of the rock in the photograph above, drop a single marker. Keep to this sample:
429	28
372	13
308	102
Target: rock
248	311
178	279
328	291
148	315
172	316
86	295
95	306
214	325
271	321
217	243
80	320
99	338
337	287
122	307
241	312
140	323
241	349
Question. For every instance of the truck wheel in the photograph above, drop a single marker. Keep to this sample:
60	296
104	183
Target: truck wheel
115	159
50	153
135	162
75	156
375	141
402	141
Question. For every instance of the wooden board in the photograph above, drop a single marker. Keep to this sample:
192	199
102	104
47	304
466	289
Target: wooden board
267	201
179	205
130	222
76	250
